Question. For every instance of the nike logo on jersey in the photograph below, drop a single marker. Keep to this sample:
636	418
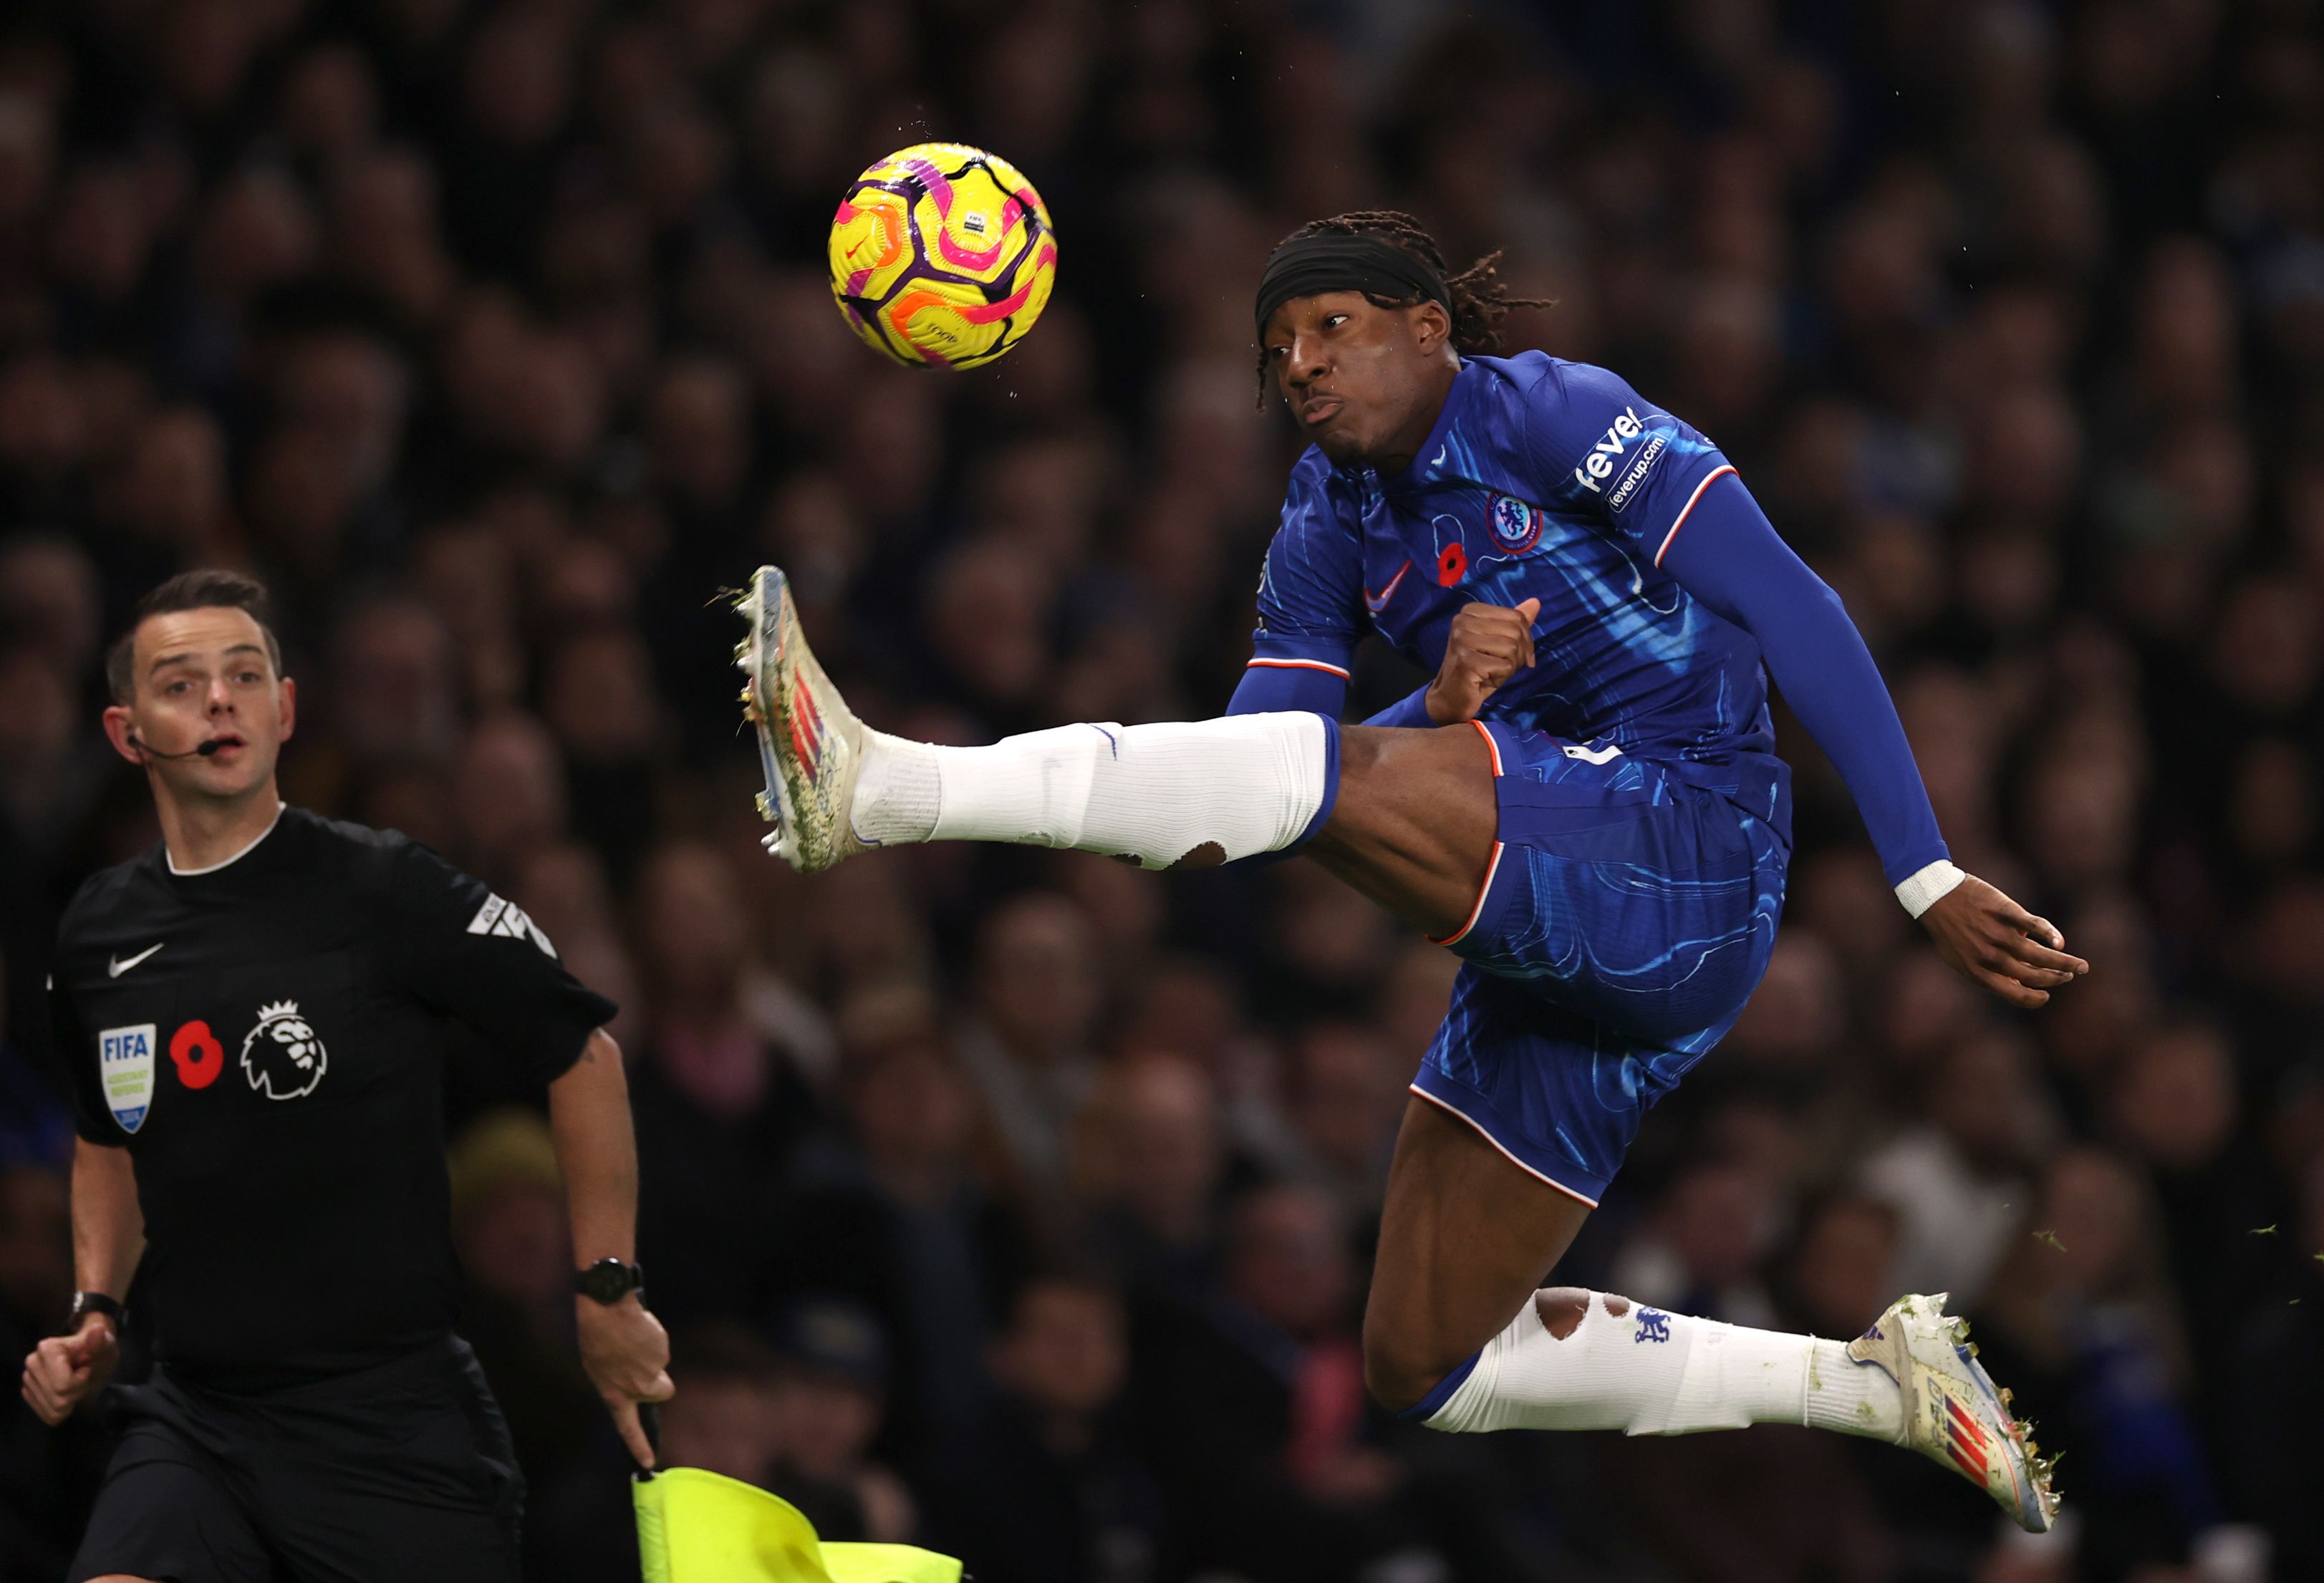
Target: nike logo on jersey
1439	460
116	966
1377	602
507	919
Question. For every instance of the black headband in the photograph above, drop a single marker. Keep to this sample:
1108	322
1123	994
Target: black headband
1333	260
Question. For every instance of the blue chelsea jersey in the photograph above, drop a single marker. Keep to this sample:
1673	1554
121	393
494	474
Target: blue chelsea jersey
1541	479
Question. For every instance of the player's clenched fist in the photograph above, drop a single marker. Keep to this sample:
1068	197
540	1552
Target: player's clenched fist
63	1370
1487	645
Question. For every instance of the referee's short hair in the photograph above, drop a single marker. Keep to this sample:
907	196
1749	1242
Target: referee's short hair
204	588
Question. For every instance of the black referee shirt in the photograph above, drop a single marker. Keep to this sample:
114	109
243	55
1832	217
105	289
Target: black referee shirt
267	1040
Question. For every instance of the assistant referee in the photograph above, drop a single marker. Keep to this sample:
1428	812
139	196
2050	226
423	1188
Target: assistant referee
254	1016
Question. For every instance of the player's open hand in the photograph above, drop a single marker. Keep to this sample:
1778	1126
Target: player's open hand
627	1354
1487	645
1992	941
63	1371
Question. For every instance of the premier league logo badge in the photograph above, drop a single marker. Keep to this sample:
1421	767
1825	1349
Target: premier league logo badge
1517	525
282	1056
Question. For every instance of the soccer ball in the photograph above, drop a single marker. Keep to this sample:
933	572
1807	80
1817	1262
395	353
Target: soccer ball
942	255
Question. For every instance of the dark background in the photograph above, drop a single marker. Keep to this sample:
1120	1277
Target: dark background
1021	1201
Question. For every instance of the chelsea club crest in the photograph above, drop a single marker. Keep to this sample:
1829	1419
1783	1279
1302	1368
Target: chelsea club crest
1515	523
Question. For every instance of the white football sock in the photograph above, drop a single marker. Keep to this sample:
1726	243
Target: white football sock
1646	1372
1248	783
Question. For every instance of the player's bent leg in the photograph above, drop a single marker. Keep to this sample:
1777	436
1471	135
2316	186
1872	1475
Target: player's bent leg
1460	1334
1575	1359
1414	824
1466	1237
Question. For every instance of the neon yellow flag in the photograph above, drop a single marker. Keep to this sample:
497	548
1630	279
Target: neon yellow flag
700	1527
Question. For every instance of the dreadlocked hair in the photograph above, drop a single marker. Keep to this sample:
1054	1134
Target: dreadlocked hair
1480	300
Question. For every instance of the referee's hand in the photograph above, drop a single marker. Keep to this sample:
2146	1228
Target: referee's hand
627	1354
63	1370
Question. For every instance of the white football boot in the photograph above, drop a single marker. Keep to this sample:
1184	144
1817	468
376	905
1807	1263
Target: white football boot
1953	1416
810	744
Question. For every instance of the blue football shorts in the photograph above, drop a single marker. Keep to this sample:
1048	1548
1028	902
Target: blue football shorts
1627	915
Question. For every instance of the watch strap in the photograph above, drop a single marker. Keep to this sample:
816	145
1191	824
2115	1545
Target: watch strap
84	1304
609	1280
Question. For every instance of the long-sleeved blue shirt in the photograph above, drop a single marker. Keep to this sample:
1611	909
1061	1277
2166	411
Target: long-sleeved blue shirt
1662	587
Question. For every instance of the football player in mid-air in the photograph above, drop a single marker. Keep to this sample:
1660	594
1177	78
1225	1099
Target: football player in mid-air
1584	805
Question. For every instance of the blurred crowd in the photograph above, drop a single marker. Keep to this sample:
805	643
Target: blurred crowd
1019	1204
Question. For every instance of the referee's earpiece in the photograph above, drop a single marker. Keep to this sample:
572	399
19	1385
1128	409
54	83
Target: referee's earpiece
199	750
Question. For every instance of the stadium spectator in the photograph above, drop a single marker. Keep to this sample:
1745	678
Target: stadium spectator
1347	1095
726	1423
45	1469
721	1105
898	1219
1260	1420
1959	1182
1047	1485
507	1226
1149	1164
2082	1315
828	1398
499	338
1026	1046
2274	1380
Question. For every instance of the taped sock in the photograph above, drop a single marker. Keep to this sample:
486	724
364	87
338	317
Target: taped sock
897	791
1644	1371
1245	784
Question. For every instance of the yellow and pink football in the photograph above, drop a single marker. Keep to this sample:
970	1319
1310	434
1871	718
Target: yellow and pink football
942	255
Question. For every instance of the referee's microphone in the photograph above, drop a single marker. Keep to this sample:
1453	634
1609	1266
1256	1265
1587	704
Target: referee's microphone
201	750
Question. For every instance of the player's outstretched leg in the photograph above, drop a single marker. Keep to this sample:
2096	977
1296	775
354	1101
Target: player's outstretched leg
1407	816
1159	795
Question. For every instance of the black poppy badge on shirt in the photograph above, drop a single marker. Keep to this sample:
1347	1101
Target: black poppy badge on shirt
283	1057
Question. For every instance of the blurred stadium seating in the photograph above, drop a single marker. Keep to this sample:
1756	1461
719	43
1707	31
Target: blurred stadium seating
1021	1201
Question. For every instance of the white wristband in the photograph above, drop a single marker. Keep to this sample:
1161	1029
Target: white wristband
1922	890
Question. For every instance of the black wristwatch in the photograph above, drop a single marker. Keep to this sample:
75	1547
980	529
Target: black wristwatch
84	1304
609	1280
